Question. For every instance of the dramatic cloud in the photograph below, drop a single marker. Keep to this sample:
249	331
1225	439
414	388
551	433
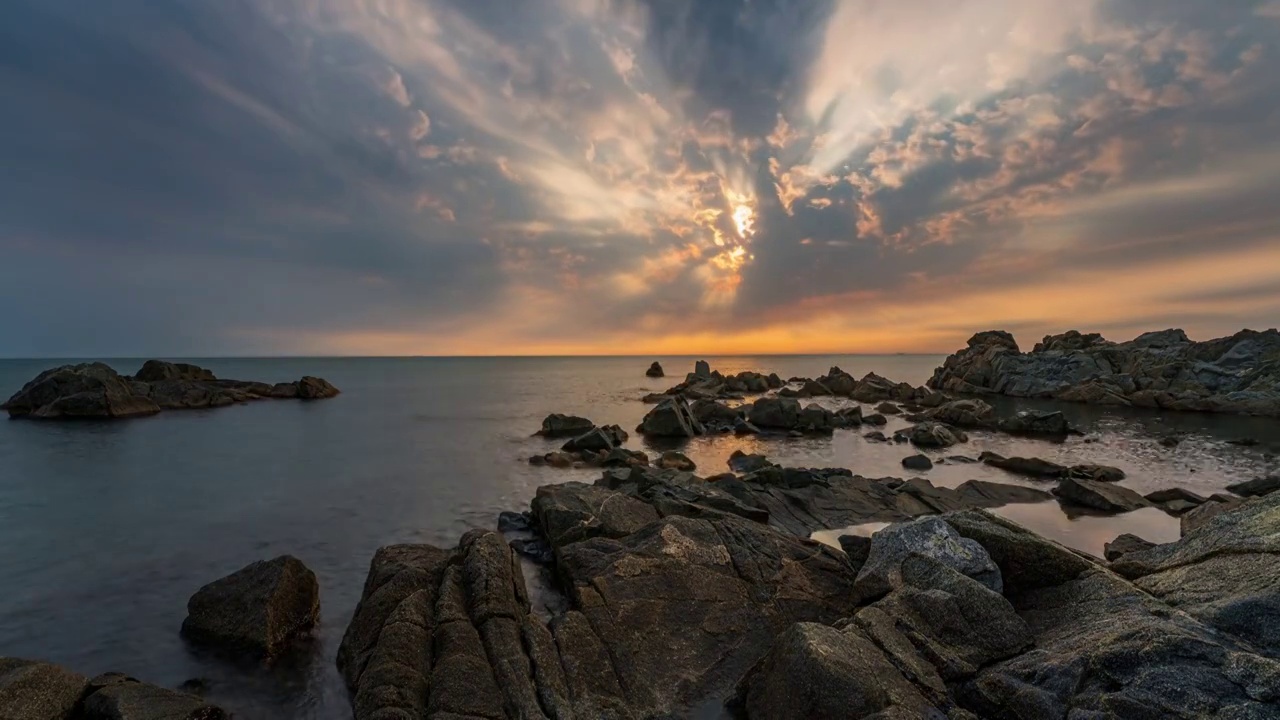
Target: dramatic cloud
481	176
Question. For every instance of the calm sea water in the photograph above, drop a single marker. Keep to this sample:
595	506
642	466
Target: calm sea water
107	528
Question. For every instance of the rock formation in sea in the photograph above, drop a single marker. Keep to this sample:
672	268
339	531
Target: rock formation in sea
95	390
34	690
655	370
1165	369
259	609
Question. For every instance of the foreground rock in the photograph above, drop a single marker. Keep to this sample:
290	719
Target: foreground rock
1167	370
261	608
32	690
95	390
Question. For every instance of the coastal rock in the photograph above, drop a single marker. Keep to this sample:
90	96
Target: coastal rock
556	425
933	435
838	382
1175	501
702	369
260	608
715	415
314	388
655	370
124	698
917	462
1030	467
672	460
857	548
672	419
775	413
597	439
1123	545
31	690
1096	473
1256	487
1165	369
1036	422
930	537
888	408
741	462
159	371
875	419
575	511
89	390
1104	497
1192	519
967	413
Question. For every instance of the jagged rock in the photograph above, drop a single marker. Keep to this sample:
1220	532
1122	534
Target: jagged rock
857	548
672	460
1031	467
1036	422
1192	519
929	537
1166	370
741	462
575	511
816	419
967	413
933	435
261	608
1123	545
775	413
917	462
671	418
838	382
1175	501
713	414
1256	487
1096	473
31	690
597	439
1104	497
848	417
622	457
702	369
1027	561
655	370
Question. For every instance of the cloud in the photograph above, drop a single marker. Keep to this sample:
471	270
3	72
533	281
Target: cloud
722	175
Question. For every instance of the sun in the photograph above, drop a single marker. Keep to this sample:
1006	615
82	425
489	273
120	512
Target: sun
744	218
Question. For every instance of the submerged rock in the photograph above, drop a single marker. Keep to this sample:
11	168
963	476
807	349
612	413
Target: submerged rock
1237	374
1036	422
261	608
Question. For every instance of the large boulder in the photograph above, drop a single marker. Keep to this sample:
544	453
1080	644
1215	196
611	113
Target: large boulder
1100	496
1036	422
314	388
1163	369
775	413
31	690
928	536
967	413
261	608
575	511
556	425
597	439
88	390
671	419
933	435
655	370
122	698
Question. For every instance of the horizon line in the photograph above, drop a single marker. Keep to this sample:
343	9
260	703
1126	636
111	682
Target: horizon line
463	357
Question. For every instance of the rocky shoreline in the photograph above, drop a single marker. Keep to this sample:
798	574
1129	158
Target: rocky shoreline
96	391
654	592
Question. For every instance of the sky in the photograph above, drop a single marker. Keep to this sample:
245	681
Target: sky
487	177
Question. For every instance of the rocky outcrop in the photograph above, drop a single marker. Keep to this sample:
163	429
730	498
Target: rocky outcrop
556	425
1100	496
1167	370
261	608
1256	487
1123	545
928	537
597	439
655	370
33	690
932	435
671	419
96	391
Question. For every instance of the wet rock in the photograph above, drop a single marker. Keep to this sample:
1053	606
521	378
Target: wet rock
930	537
876	436
556	425
857	548
815	419
597	439
1123	545
571	512
888	408
967	413
1104	497
1172	440
128	699
838	382
933	435
1244	442
1162	370
1256	487
715	415
672	419
1096	473
1175	501
875	419
702	369
1192	519
90	390
962	459
1036	422
509	521
261	608
314	388
741	462
775	413
31	690
742	427
1030	467
985	494
917	462
672	460
655	370
622	457
848	417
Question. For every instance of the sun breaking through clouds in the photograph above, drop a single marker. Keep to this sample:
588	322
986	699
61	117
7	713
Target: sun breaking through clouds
615	176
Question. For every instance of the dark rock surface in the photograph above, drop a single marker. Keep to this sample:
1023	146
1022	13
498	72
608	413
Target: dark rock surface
1256	487
917	462
1124	545
1237	374
261	608
1100	496
671	419
597	439
655	370
1030	467
930	537
933	435
95	390
741	462
32	690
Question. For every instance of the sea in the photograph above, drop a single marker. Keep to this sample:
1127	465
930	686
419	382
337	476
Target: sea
107	528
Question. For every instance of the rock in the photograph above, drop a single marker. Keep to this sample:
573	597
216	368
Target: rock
917	462
1027	561
1096	473
702	369
742	427
857	548
876	436
571	512
1164	370
815	671
1175	500
673	419
715	415
775	413
741	462
509	521
930	537
875	419
260	608
848	417
1225	572
968	413
597	439
672	460
1036	422
128	699
1172	440
888	408
984	494
931	434
816	419
622	457
31	690
556	425
158	370
655	398
1104	497
1256	487
314	388
1031	467
838	382
90	390
655	370
1244	442
1123	545
1192	519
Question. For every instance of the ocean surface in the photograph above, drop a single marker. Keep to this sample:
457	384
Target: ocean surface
106	529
